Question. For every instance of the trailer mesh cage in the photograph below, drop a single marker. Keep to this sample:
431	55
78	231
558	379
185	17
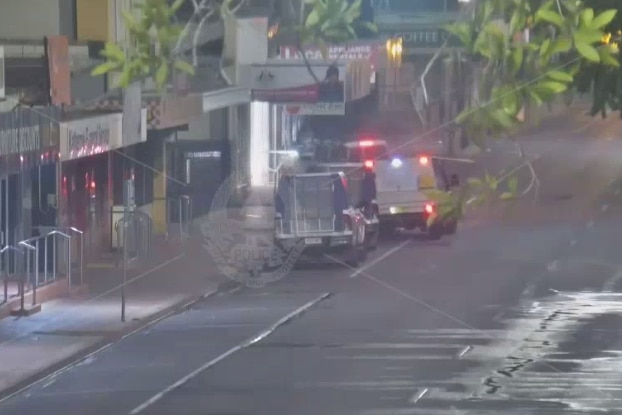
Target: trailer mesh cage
312	203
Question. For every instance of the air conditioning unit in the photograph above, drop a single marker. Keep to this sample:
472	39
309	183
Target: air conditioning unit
2	85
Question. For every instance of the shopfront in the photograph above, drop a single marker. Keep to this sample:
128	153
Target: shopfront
86	177
285	93
29	149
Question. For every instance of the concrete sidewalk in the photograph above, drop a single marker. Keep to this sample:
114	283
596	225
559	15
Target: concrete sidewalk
70	328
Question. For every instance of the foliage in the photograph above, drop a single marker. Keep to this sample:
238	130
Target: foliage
604	81
332	22
521	53
150	49
516	72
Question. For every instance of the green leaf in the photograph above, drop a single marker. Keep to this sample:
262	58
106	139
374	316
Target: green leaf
550	16
161	76
104	68
589	52
560	45
112	51
506	196
517	59
608	58
587	36
603	19
554	87
586	16
559	76
312	19
369	26
475	182
176	6
184	67
513	185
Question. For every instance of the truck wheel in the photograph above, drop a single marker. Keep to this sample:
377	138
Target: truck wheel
373	241
387	231
354	259
451	227
434	232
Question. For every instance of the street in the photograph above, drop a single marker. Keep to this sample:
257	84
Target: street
519	313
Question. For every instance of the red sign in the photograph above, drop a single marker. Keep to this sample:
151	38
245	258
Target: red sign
353	51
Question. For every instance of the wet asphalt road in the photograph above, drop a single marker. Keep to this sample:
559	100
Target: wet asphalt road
519	313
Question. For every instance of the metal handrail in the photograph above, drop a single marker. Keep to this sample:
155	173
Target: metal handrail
68	238
67	229
29	249
81	234
6	274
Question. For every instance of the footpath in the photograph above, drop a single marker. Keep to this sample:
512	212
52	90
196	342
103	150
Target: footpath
68	329
564	151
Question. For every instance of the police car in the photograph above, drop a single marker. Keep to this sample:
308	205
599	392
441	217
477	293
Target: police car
402	180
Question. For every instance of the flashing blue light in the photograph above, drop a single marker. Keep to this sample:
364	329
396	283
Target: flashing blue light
397	163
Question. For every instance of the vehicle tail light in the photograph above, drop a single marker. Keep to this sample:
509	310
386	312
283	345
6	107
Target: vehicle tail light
347	222
429	208
369	164
424	160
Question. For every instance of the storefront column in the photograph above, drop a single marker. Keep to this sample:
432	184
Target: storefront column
159	209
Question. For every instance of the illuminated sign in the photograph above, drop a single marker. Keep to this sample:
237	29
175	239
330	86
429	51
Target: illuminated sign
89	136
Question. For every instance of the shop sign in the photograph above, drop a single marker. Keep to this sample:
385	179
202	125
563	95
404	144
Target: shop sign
90	136
412	6
320	108
327	97
423	38
21	130
351	51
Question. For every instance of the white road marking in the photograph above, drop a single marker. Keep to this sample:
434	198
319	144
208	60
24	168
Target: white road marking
259	337
417	396
379	259
611	283
464	351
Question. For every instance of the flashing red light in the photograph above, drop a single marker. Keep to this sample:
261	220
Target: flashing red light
424	160
369	164
93	185
429	208
366	143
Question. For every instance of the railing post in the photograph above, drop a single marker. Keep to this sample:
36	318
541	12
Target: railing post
69	261
5	279
53	255
36	278
45	258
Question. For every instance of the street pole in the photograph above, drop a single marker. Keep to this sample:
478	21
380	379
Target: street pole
124	272
128	205
448	104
